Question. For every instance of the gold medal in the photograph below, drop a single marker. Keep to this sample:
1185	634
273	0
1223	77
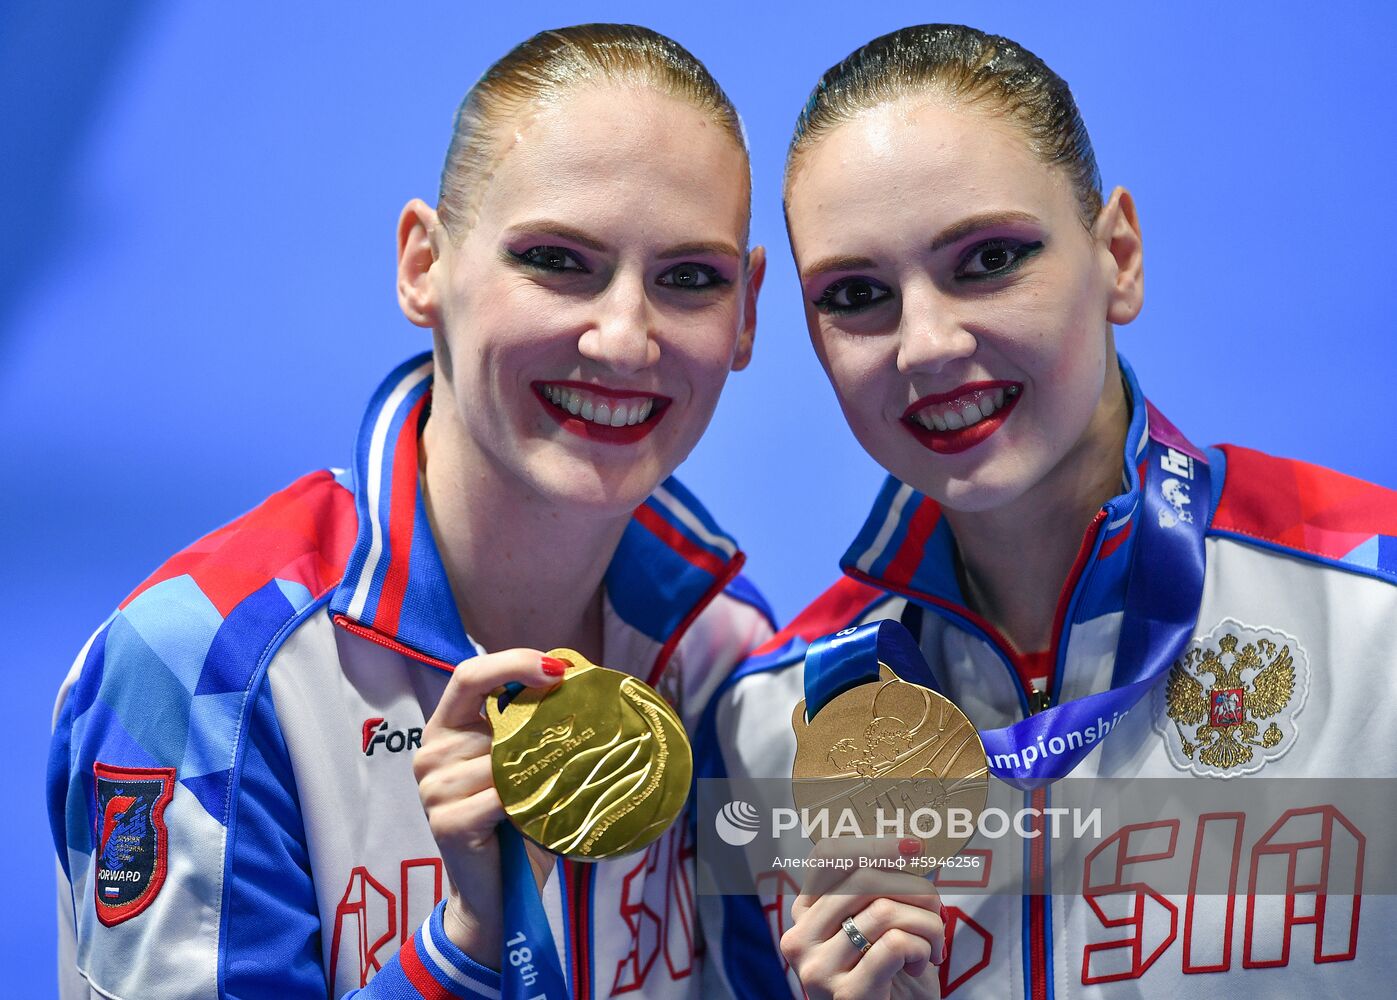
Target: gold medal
892	751
597	767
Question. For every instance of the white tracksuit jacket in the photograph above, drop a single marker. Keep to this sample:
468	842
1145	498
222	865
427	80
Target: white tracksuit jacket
230	782
1295	554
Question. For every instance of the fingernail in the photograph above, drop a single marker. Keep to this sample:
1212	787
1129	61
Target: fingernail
909	846
554	667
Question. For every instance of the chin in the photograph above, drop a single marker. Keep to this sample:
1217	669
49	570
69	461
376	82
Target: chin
599	490
976	498
987	486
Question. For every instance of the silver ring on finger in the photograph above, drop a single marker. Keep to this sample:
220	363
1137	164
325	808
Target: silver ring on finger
855	935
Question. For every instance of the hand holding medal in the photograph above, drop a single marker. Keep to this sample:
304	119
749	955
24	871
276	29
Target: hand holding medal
594	768
879	746
464	811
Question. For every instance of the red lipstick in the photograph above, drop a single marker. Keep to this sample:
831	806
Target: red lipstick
954	440
592	431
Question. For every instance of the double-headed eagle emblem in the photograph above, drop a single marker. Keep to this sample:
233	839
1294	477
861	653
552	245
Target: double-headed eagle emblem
1221	721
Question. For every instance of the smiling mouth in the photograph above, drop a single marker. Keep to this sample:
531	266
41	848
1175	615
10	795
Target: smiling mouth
955	421
600	414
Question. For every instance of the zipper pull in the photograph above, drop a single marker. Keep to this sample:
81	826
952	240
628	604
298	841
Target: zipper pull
1037	701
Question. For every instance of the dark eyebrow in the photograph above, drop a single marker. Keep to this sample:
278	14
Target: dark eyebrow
717	248
945	238
547	227
986	220
842	263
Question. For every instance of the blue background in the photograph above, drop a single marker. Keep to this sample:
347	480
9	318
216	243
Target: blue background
196	271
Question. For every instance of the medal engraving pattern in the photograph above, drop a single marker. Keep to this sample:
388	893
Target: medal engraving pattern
893	748
595	768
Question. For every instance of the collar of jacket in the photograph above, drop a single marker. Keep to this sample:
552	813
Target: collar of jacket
672	560
906	546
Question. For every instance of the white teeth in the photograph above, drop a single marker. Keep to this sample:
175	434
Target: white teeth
982	404
608	413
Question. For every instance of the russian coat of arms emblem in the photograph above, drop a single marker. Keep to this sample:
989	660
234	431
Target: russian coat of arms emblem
1231	699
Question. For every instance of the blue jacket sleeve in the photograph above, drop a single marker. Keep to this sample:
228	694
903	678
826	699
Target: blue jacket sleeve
173	806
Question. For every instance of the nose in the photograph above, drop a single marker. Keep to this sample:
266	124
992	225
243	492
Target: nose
621	334
931	335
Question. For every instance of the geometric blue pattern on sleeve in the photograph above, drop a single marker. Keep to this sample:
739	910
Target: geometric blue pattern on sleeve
109	742
177	622
297	594
211	790
84	691
214	720
244	635
150	701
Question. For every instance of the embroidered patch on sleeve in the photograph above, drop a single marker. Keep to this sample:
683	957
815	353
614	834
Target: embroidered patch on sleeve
130	838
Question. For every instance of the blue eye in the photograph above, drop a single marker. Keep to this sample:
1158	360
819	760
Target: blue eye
546	258
691	275
996	257
851	295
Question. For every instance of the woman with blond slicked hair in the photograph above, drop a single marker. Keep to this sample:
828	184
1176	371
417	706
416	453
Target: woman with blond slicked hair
270	774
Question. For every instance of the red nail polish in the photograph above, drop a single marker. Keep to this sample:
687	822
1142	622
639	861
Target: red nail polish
909	846
554	667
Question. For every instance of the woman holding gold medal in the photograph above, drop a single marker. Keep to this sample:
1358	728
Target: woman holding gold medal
234	789
1101	597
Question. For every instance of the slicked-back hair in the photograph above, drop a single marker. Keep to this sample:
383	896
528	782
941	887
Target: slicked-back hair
543	69
987	72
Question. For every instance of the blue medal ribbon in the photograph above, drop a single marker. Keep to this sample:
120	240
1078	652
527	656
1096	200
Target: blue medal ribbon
1163	593
529	966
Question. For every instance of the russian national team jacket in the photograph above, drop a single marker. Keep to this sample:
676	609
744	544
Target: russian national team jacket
230	782
1296	556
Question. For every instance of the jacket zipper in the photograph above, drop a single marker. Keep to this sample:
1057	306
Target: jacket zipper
578	931
1039	907
364	632
1032	701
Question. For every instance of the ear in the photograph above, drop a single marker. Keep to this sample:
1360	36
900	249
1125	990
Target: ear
418	231
756	271
1118	230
